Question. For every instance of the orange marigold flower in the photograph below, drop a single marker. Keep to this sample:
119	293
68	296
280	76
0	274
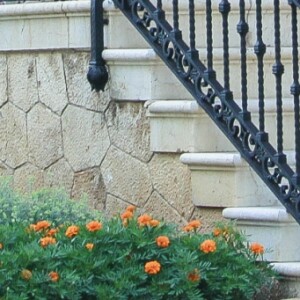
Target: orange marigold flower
45	241
26	274
257	248
154	223
127	215
144	220
131	208
162	241
1	246
208	246
194	276
93	226
152	267
54	276
72	231
41	225
89	246
217	232
193	225
52	231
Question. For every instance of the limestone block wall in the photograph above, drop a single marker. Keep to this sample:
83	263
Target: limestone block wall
56	132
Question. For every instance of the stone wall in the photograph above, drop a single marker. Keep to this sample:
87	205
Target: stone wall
56	132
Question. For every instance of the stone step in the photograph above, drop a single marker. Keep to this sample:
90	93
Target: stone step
225	180
290	272
182	126
275	229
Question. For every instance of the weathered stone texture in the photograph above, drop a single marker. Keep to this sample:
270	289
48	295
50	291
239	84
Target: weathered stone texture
90	183
126	177
13	142
28	178
127	122
159	209
44	137
79	89
3	80
85	137
51	81
172	180
114	206
59	175
207	217
22	80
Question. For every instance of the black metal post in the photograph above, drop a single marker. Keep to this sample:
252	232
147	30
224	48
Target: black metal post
97	74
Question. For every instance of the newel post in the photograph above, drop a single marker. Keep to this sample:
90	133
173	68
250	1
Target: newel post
97	73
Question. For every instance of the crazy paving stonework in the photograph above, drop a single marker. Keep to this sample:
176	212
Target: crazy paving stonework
56	132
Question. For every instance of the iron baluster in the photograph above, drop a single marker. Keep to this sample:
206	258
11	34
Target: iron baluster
159	5
278	70
97	73
175	16
295	89
192	25
260	50
242	29
224	8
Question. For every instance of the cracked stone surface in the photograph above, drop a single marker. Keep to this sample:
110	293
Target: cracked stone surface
5	170
47	133
3	80
13	142
127	122
85	137
90	183
172	180
59	175
28	178
22	81
159	209
79	89
51	77
126	177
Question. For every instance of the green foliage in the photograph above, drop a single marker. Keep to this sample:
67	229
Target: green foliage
46	204
115	267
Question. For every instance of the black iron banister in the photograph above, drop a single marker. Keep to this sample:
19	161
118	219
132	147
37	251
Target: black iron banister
217	99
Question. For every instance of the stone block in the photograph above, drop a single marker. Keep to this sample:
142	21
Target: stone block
225	180
13	136
85	137
127	122
125	177
44	128
51	81
172	180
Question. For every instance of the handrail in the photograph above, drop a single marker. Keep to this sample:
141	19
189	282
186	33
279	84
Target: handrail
217	99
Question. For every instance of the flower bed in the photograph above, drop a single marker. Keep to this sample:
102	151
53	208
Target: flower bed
128	257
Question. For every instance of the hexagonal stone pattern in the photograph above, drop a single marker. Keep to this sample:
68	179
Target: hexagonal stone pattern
28	178
13	142
90	183
126	177
22	83
172	180
159	209
85	137
3	79
51	81
59	175
44	136
127	122
79	89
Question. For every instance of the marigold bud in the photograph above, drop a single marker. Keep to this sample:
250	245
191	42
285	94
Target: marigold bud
208	246
162	241
54	276
152	267
26	274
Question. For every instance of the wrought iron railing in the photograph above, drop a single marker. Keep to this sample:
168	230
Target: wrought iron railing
212	90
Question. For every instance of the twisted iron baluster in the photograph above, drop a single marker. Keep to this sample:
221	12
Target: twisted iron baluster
159	4
192	25
278	70
224	8
242	29
295	89
260	50
175	16
209	38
